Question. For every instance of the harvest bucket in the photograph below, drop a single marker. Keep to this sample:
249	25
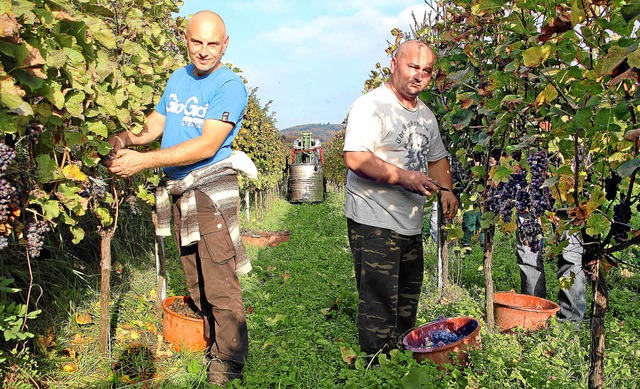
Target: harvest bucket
467	328
182	331
520	310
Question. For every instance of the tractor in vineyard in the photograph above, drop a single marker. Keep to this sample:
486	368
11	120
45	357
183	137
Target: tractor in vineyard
306	177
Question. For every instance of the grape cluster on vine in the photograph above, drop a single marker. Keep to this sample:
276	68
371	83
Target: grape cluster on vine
93	188
529	199
611	185
621	219
502	197
530	233
538	165
36	233
33	132
7	192
7	156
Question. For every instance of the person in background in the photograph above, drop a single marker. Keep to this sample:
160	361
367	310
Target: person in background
573	299
198	117
472	217
395	157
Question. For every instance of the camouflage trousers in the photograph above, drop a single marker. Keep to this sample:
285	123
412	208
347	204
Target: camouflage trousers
389	269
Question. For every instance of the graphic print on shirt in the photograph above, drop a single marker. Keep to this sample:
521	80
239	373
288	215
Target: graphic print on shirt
416	143
193	113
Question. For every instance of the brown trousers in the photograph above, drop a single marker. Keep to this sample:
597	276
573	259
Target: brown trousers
209	267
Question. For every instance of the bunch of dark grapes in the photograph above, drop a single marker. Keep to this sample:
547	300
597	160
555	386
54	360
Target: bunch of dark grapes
33	132
611	184
538	164
621	219
458	176
7	192
523	201
35	237
7	156
107	158
91	188
531	233
440	338
502	198
500	201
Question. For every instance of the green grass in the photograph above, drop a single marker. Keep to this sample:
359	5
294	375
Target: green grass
301	306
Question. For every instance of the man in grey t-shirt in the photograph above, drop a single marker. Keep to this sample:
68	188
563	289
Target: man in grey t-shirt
395	157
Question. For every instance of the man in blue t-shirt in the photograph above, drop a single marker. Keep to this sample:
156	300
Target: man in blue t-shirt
198	117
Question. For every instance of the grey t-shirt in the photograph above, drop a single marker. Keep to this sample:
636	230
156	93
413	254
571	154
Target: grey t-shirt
409	139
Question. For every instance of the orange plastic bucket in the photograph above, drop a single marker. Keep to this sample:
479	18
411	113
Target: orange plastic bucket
466	327
183	332
520	310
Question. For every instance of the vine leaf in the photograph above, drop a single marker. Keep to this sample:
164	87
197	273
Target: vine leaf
348	355
73	172
597	224
627	168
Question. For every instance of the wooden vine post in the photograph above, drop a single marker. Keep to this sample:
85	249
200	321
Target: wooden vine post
597	347
161	269
488	277
104	341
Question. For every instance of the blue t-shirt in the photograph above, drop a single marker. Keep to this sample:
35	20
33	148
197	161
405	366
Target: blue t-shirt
189	100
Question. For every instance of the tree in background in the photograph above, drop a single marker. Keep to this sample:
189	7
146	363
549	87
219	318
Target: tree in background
261	141
335	170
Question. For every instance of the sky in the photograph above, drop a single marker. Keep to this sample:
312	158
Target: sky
310	58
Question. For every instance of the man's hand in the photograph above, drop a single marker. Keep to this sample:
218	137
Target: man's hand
449	204
117	142
417	182
128	162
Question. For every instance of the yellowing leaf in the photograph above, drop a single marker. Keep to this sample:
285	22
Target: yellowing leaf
69	353
269	342
98	128
70	367
348	355
78	338
10	94
535	56
626	273
46	342
151	327
73	172
272	321
78	234
125	379
83	318
548	94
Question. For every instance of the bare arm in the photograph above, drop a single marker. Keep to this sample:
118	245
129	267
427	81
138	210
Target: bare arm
129	162
440	171
368	165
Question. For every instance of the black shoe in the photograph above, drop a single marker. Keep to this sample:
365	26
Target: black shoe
221	372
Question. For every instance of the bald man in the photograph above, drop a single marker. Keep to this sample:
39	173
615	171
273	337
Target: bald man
198	117
396	158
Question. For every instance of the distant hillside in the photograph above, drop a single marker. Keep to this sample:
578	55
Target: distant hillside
324	132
